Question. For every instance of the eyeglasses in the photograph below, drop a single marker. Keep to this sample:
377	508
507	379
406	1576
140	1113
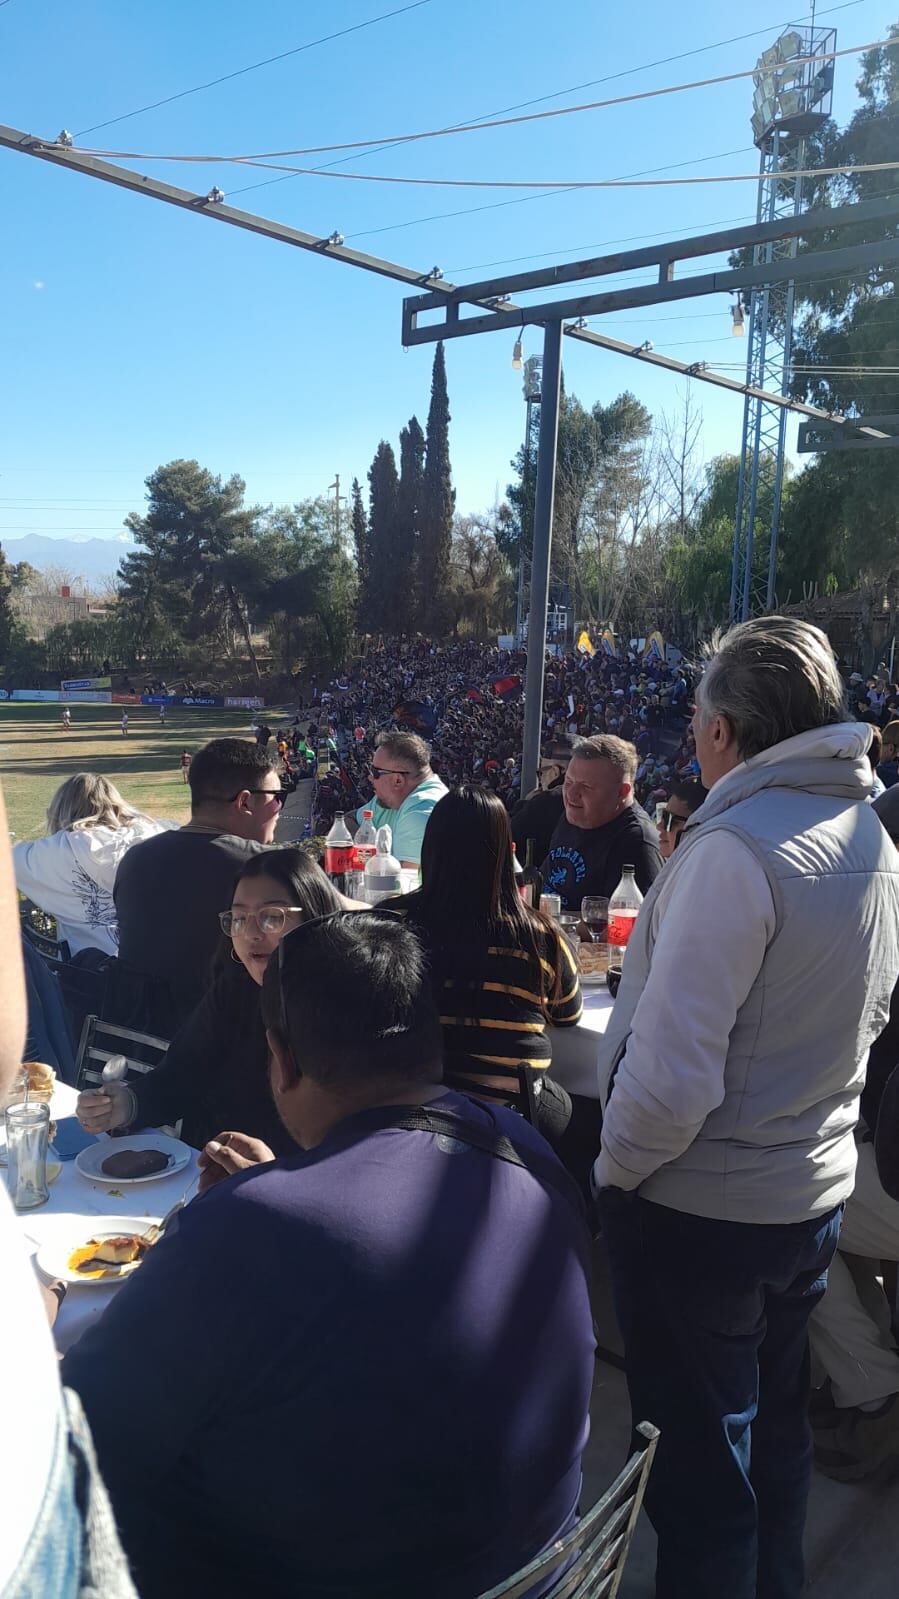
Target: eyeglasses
670	819
387	771
270	794
270	919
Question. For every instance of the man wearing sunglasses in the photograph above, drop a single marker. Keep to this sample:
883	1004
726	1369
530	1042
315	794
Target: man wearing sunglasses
672	816
405	792
395	1319
167	901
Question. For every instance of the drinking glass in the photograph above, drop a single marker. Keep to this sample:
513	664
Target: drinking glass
27	1142
595	916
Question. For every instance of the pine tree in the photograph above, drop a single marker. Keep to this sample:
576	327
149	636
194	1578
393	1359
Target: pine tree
437	504
412	457
361	544
6	611
384	577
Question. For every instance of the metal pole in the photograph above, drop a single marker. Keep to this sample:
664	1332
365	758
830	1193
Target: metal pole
543	525
525	484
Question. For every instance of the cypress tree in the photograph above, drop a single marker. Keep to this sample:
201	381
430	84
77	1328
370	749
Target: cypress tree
412	456
360	542
385	578
437	504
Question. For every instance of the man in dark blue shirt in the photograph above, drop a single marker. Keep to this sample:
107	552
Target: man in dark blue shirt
365	1369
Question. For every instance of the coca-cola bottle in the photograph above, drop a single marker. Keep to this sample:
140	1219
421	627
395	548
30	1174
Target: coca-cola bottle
339	853
624	908
365	841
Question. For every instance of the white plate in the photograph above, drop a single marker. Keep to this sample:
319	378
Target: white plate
91	1159
53	1257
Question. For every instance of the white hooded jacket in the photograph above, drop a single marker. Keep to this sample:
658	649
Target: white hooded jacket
70	875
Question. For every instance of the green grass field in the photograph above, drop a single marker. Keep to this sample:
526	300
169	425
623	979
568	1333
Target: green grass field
37	754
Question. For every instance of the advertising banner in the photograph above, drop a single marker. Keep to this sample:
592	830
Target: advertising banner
126	699
95	696
35	694
246	702
75	683
203	700
3	694
159	699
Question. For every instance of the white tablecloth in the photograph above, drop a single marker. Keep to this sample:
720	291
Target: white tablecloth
73	1196
576	1049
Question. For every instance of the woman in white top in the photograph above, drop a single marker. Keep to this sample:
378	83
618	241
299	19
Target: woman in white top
70	873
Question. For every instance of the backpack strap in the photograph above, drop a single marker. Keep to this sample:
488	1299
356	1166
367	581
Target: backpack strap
490	1141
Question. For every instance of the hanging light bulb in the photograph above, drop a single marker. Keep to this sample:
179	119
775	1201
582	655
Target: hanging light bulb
517	361
738	315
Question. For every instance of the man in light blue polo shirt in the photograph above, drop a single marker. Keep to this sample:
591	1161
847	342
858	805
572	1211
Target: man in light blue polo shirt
406	791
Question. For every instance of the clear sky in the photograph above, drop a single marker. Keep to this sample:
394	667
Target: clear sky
133	333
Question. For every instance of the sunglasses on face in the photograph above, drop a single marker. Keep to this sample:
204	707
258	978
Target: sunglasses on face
269	919
386	771
670	820
270	794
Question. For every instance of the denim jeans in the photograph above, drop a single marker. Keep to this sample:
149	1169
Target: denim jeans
50	1567
714	1319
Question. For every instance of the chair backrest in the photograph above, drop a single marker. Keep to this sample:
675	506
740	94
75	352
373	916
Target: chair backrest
51	948
101	1040
591	1558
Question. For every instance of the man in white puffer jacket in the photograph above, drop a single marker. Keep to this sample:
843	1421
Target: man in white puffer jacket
70	873
759	972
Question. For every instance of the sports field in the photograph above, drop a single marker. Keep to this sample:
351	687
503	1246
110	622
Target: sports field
37	754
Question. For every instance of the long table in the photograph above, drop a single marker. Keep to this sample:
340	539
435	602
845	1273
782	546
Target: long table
73	1198
576	1049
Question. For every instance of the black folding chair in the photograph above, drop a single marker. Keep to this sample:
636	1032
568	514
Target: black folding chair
591	1558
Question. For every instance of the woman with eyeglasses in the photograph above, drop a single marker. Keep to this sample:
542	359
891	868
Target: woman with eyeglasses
674	813
503	975
215	1074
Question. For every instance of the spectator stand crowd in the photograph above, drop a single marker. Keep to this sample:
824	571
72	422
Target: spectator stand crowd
466	700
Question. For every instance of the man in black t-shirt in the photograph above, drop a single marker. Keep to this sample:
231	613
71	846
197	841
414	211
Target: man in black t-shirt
167	899
602	829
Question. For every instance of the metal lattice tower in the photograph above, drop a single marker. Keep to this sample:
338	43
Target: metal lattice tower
792	98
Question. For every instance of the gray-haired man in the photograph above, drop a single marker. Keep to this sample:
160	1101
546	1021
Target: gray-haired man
758	974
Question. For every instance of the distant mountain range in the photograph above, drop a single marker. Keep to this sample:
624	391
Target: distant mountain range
80	557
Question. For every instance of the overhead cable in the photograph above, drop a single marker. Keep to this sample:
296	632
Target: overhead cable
499	122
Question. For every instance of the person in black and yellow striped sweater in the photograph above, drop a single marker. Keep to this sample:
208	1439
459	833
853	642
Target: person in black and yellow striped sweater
503	975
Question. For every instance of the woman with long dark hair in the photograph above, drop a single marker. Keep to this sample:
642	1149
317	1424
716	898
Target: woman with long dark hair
215	1074
501	972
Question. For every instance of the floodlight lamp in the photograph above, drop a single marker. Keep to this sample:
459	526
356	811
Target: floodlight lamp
644	348
436	274
789	45
65	139
768	59
215	196
335	238
738	320
791	104
517	362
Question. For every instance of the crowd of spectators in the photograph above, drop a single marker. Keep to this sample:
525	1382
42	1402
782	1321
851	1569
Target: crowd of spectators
467	700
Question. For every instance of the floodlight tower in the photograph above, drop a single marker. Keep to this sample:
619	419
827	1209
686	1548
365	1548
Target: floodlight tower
793	95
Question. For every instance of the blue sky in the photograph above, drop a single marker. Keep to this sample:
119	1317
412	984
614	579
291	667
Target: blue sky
134	333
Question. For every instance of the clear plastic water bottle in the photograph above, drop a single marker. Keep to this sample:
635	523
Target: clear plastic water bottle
624	907
383	873
365	842
339	853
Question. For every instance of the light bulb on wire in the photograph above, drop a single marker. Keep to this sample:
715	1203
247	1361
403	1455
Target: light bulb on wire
517	361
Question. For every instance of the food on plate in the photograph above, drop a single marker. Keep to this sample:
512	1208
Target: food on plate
129	1163
101	1257
592	960
41	1078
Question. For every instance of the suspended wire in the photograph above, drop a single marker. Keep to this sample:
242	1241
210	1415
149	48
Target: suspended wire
557	94
500	122
532	183
241	72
